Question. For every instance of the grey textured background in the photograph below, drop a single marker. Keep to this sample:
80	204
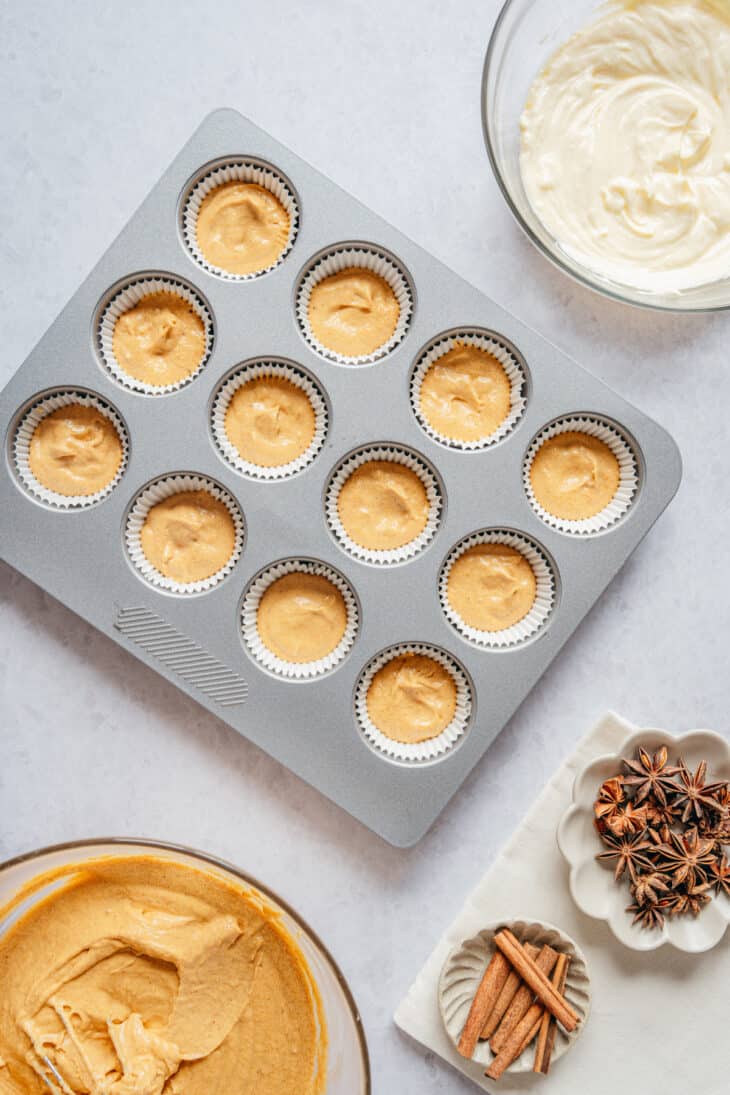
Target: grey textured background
385	99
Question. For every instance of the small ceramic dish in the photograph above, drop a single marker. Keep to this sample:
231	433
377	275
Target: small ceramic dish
592	885
463	971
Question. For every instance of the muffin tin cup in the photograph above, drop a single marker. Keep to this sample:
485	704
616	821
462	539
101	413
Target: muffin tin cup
242	171
628	484
511	364
398	455
356	256
126	297
253	371
158	491
24	435
545	594
435	748
296	671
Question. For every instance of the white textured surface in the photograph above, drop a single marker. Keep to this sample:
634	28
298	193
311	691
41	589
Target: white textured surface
384	98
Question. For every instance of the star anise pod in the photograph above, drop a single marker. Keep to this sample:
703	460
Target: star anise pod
688	856
611	790
678	904
627	852
717	828
658	828
648	888
627	819
686	904
695	796
610	795
649	916
717	824
697	902
661	815
718	878
723	795
722	830
654	836
649	775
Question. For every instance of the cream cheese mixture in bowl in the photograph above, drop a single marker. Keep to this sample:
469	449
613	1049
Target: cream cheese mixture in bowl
608	129
141	968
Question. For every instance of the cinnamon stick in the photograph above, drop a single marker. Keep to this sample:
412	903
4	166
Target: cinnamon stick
484	1000
548	1026
506	996
545	960
531	1031
531	973
517	1042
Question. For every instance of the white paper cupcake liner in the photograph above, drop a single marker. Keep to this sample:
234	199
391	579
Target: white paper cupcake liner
628	474
363	257
252	370
434	748
296	671
126	297
545	594
155	492
513	367
243	171
24	435
397	455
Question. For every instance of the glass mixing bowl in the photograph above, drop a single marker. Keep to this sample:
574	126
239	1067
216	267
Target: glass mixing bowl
348	1068
525	35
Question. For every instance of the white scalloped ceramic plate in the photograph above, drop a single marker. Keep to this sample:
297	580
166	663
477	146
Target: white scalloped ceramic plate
464	968
591	884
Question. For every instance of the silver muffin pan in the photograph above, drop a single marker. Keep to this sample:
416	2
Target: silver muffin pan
78	555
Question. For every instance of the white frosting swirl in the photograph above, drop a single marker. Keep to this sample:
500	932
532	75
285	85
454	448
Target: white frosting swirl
626	144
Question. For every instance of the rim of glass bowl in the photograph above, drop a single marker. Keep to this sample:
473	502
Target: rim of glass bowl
625	294
223	865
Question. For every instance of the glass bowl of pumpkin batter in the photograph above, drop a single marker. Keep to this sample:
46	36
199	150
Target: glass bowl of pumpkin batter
146	968
626	182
